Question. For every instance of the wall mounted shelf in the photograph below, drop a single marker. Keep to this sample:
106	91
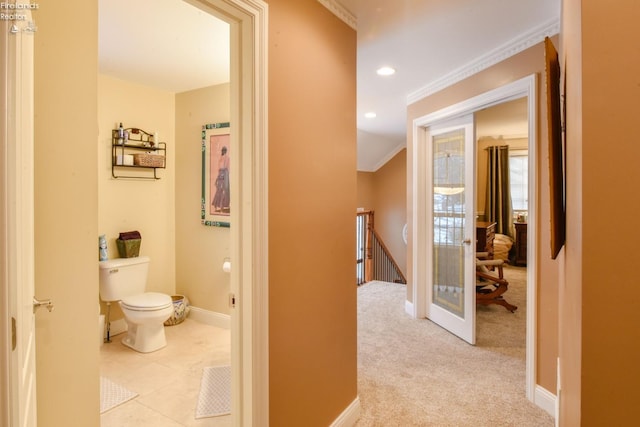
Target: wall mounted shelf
137	151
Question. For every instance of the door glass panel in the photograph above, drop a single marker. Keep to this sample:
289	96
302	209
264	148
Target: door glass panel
448	221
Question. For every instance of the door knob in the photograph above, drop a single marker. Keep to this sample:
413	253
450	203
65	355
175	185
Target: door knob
467	241
42	303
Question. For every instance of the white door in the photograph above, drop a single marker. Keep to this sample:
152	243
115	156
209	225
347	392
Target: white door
451	253
20	212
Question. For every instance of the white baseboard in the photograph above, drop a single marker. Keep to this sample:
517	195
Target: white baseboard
212	318
408	308
545	400
349	416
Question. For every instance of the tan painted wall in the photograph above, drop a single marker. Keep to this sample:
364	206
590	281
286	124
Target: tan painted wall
570	288
599	339
518	66
391	206
312	202
366	190
143	205
385	192
66	213
200	250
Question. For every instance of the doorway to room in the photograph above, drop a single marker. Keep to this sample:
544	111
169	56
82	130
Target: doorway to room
422	263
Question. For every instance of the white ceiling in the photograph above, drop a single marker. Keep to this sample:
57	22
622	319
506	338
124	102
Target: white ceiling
167	44
427	41
171	45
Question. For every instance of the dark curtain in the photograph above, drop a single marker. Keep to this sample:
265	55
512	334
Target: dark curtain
498	206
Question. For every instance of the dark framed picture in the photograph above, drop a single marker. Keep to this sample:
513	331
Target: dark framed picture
215	209
556	149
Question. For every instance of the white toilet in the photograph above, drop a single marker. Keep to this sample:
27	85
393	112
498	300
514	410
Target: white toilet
124	280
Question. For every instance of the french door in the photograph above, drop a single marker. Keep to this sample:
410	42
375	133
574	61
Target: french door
451	247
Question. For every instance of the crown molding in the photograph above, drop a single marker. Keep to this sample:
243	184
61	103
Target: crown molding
342	13
507	50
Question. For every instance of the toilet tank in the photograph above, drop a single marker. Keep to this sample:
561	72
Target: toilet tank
123	277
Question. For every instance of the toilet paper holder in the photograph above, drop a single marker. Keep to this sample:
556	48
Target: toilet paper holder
226	265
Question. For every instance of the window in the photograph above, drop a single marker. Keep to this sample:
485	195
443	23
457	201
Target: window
519	176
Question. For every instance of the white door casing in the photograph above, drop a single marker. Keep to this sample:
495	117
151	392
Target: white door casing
248	21
524	87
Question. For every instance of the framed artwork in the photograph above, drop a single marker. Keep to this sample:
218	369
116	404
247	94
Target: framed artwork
215	203
556	149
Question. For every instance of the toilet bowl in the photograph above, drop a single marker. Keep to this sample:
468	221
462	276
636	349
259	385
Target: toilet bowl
145	315
124	280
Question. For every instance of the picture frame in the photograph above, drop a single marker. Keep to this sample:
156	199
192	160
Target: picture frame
215	202
556	149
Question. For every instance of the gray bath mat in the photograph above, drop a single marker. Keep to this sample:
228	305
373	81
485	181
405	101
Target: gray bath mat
112	395
215	392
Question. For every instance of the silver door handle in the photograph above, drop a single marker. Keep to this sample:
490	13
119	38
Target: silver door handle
42	303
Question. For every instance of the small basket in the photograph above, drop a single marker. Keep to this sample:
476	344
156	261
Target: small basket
180	310
128	248
148	160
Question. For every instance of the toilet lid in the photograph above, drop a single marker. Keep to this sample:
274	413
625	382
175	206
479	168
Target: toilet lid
147	301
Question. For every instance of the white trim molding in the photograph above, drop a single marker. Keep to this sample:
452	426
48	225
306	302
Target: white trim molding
545	400
209	317
339	10
499	54
349	416
409	309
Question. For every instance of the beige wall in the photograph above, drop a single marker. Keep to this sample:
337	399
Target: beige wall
571	285
385	192
518	66
599	341
366	190
312	202
140	204
66	213
200	250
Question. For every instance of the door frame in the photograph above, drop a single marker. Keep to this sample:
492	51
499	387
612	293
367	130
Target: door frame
248	20
524	87
250	279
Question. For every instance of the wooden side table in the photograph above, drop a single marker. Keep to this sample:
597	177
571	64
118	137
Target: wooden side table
485	234
521	243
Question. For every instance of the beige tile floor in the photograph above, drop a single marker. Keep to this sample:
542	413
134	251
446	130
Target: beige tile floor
168	380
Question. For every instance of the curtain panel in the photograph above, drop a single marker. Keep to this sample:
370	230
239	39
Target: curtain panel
498	207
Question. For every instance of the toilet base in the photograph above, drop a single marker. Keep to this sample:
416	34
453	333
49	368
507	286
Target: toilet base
145	338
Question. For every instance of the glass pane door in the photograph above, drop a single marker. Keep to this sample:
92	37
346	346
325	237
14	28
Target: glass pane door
452	295
448	221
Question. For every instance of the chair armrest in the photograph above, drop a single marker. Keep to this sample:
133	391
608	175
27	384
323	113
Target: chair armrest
490	262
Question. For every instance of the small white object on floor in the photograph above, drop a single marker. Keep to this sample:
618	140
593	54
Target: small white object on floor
215	392
112	395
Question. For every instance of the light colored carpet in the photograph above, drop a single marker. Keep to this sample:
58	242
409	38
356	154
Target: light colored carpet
112	395
215	392
414	373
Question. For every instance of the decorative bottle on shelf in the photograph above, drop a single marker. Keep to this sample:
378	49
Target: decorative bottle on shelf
120	134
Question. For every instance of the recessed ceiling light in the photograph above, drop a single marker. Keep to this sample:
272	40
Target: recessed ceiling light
386	71
370	115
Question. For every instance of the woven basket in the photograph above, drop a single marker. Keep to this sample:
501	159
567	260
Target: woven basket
181	308
149	160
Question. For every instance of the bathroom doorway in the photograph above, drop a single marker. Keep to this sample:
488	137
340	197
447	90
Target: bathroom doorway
246	284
